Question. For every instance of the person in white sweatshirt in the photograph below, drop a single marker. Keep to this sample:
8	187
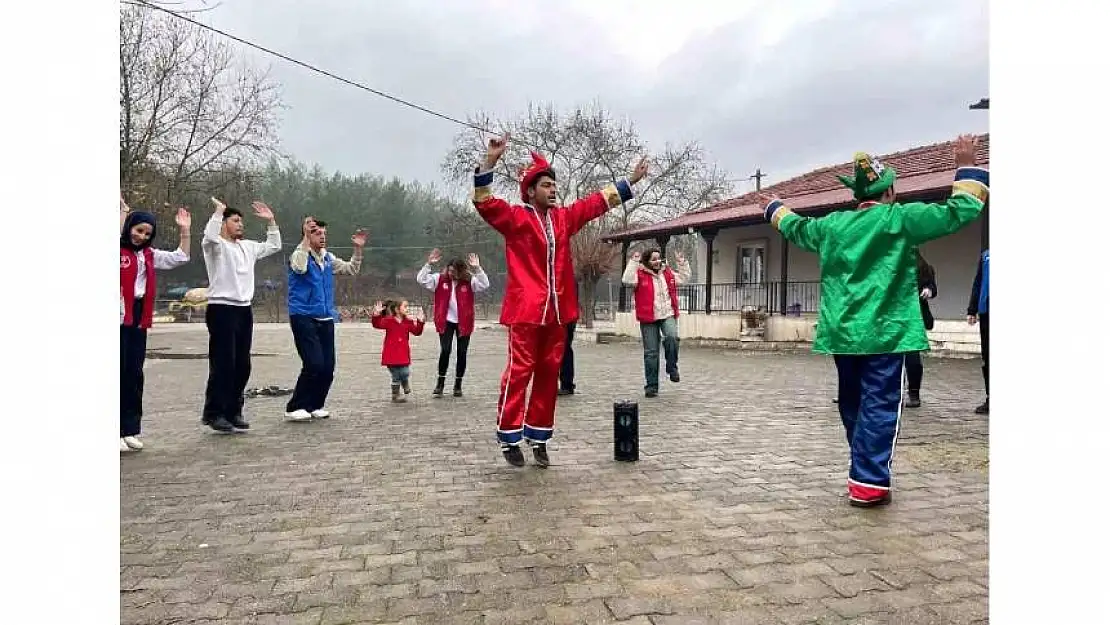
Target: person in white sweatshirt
230	263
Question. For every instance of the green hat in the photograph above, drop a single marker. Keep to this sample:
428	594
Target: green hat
871	179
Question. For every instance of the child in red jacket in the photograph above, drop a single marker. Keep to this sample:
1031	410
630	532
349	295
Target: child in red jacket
392	316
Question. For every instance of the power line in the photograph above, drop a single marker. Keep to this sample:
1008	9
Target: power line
333	76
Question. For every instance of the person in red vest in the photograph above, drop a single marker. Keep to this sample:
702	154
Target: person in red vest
540	296
138	265
393	317
453	293
655	289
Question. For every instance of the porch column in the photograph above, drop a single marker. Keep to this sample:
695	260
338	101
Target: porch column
708	235
622	297
783	275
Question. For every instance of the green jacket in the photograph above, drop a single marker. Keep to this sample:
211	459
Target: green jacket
869	296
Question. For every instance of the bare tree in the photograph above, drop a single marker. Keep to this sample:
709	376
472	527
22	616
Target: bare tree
588	148
188	109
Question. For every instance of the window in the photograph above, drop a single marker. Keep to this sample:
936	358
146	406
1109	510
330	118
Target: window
751	262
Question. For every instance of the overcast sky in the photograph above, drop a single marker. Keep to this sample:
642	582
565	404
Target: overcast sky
786	86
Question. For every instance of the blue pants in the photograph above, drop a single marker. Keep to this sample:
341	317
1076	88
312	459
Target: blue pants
399	374
870	402
650	333
315	342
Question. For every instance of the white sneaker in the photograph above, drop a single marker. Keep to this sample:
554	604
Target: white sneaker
123	446
133	442
320	414
298	415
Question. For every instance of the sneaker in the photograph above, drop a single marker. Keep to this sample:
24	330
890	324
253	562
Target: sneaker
870	503
298	415
320	413
566	391
221	424
539	452
914	399
513	455
123	446
132	442
239	423
651	392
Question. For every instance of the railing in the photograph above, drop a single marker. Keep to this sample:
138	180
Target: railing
732	297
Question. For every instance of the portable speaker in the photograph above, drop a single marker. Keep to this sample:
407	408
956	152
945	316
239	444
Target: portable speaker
626	431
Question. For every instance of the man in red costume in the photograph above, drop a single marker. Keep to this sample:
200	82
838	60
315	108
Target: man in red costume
540	297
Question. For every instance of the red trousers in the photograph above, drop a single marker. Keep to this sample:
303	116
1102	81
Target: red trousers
535	355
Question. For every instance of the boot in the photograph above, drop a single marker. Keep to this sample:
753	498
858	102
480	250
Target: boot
457	391
405	387
438	392
513	455
914	400
397	398
539	452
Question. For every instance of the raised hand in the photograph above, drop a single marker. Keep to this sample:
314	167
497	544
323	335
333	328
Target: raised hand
358	239
378	307
434	256
640	171
123	207
261	209
964	151
635	257
219	206
419	315
183	219
678	257
496	149
472	260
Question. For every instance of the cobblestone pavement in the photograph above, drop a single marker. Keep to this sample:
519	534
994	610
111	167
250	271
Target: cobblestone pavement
388	513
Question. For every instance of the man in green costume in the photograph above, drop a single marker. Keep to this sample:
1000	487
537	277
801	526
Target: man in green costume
869	316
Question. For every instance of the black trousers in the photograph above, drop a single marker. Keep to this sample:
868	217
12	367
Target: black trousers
230	332
984	346
566	370
450	332
132	355
915	370
315	341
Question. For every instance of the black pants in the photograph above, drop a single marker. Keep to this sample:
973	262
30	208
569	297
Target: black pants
230	332
566	370
915	370
450	332
984	346
132	354
315	341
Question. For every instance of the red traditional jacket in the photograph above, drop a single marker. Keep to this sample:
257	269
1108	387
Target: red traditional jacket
395	346
645	294
537	249
128	269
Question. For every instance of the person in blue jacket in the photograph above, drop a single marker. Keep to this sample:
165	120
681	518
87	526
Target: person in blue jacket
978	311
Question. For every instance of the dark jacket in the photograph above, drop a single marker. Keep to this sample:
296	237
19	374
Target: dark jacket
926	278
976	290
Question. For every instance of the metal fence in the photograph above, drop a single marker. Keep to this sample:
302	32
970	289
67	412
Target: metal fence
734	297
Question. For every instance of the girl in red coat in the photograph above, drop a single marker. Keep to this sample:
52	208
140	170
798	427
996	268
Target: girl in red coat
540	294
392	316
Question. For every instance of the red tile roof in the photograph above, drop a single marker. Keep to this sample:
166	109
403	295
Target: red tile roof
920	170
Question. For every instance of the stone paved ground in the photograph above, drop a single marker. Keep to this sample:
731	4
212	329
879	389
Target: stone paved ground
407	514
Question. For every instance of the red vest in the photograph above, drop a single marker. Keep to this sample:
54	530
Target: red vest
128	269
464	300
645	294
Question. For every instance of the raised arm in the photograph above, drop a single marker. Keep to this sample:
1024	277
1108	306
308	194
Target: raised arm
589	208
629	276
353	266
211	237
425	276
970	191
272	244
479	281
164	260
805	232
493	210
682	271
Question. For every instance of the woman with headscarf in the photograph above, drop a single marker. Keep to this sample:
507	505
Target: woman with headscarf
138	264
927	290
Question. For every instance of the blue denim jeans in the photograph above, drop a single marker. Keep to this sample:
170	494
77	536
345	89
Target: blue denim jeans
399	375
667	329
